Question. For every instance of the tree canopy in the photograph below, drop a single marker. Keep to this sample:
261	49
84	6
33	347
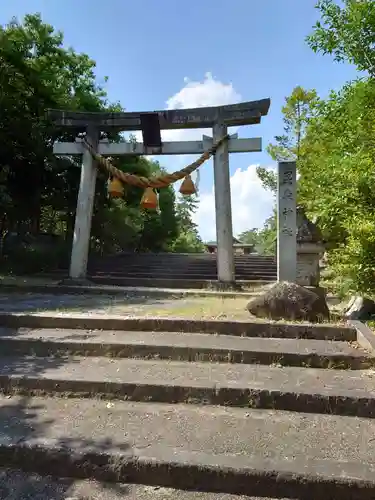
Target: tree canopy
347	32
332	141
337	179
38	191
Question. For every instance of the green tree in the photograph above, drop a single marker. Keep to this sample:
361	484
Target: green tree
346	32
337	180
38	192
36	72
267	236
249	237
188	240
299	108
264	238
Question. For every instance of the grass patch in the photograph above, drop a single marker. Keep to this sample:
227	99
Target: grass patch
142	304
219	308
206	308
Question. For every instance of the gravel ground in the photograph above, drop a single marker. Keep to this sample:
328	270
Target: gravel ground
130	304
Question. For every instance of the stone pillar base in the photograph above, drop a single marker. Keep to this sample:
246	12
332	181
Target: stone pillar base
76	282
222	286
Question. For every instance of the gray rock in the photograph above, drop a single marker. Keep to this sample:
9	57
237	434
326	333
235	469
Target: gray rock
289	301
360	308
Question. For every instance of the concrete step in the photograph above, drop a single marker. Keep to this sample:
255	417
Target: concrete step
170	282
258	422
18	485
184	347
81	322
227	450
211	273
177	265
182	262
193	276
193	262
175	278
181	256
349	392
130	273
178	269
175	270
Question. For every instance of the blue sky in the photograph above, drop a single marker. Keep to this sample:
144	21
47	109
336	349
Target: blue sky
166	53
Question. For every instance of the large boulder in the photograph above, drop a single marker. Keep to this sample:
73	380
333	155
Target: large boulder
289	301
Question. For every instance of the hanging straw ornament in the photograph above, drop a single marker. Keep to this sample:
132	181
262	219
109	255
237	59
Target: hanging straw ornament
149	199
187	187
115	188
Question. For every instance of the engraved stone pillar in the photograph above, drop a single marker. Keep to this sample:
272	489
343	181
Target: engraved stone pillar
286	222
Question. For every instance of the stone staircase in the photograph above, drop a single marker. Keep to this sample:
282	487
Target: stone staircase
168	270
181	407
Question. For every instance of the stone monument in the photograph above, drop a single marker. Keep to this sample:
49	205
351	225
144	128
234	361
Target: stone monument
310	249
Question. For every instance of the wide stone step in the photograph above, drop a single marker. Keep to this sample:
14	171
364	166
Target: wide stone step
187	257
145	274
18	485
188	277
176	270
178	263
184	346
180	269
170	282
239	451
177	267
350	392
183	259
82	322
182	256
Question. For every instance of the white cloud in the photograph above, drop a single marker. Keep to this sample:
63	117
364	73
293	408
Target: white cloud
209	92
251	204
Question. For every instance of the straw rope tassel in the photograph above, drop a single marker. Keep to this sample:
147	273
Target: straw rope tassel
164	180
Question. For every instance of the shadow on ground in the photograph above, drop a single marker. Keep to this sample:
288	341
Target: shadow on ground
17	485
21	420
129	304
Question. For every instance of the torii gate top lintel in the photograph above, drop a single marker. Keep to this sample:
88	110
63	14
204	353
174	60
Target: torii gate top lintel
245	113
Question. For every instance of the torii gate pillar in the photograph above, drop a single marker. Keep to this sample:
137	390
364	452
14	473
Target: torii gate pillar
223	209
85	205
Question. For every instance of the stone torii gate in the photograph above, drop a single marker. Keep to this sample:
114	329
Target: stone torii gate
151	123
